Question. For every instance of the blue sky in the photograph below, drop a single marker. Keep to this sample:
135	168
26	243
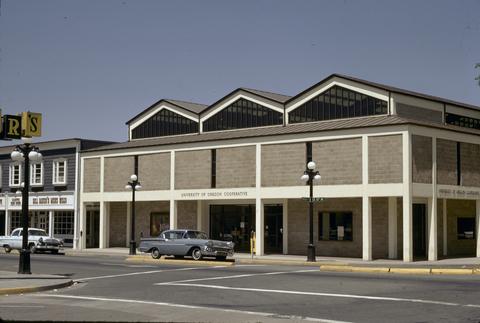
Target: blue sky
89	66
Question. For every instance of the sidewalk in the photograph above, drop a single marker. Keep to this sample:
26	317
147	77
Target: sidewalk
13	283
469	263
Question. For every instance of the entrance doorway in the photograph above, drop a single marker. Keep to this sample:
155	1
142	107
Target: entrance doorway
40	220
419	227
93	229
273	228
2	223
233	223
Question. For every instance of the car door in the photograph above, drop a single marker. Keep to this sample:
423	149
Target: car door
167	245
16	239
178	243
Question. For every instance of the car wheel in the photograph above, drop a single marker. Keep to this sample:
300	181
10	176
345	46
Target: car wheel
8	249
156	253
223	258
196	253
32	248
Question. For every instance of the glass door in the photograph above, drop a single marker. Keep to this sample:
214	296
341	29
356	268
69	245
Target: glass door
233	223
273	228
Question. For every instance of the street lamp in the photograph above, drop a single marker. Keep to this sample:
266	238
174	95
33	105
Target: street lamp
25	153
309	176
133	185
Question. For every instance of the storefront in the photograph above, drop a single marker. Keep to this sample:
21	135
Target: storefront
399	173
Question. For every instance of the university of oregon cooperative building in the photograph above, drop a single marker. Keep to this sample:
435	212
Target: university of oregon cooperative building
400	173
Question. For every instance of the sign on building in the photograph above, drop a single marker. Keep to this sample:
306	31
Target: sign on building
28	124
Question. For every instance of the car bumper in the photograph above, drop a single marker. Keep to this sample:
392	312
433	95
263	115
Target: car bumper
211	252
48	248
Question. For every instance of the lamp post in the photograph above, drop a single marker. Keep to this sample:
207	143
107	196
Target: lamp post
133	185
25	153
309	176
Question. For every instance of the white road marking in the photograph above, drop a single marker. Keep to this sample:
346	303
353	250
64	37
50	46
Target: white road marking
22	306
237	276
138	273
380	298
128	266
134	301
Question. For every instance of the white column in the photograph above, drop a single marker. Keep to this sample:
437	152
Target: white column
478	225
200	216
50	222
392	228
173	214
82	230
366	228
259	227
445	232
432	229
128	236
285	226
433	209
103	225
8	222
407	198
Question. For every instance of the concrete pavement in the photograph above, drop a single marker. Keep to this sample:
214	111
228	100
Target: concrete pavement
14	283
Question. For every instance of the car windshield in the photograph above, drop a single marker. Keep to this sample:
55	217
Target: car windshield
197	235
37	233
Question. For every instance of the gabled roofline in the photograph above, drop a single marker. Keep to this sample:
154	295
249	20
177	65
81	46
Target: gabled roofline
240	89
387	88
169	101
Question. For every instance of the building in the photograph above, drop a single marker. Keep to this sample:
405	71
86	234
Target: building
54	188
400	172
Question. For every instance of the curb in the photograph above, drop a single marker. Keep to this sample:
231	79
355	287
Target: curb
286	262
398	270
33	289
146	259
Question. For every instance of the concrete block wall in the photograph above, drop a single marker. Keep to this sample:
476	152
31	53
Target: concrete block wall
235	167
446	162
385	161
283	164
118	224
187	215
298	228
117	172
154	171
142	218
91	175
470	164
380	227
421	159
338	161
193	169
459	209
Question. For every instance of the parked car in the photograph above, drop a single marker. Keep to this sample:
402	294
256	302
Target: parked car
38	240
180	243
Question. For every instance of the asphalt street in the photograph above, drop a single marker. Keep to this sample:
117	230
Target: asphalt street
108	288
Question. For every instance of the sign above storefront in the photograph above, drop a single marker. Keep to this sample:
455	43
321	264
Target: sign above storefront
216	195
458	193
39	202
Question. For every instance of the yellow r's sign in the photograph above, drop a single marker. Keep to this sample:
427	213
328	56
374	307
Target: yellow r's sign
31	124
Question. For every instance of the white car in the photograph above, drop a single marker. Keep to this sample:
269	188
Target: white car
38	240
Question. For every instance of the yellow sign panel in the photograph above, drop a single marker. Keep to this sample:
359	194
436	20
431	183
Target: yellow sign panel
31	124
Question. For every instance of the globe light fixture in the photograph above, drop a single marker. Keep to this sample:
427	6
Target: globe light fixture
25	153
309	176
133	185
